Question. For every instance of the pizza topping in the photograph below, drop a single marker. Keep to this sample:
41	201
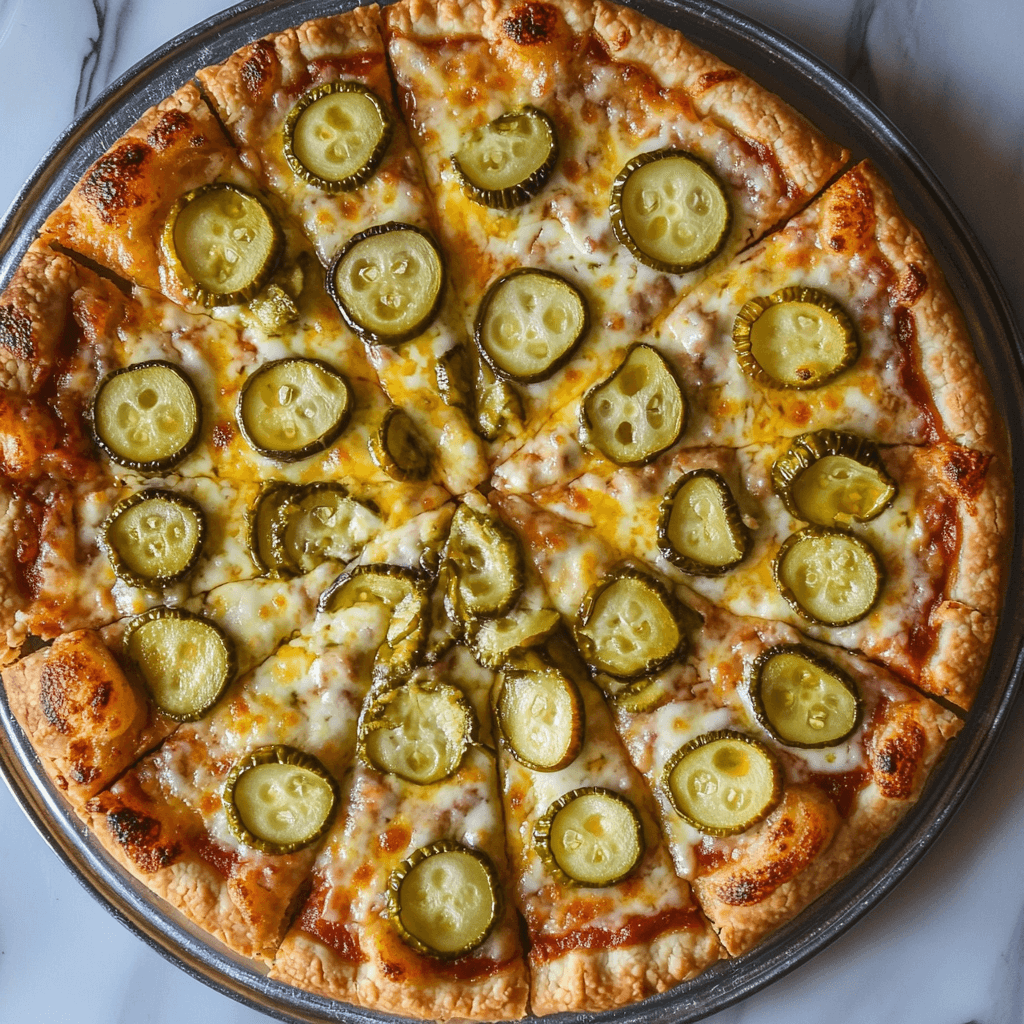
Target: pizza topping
701	529
419	732
637	413
153	538
493	640
803	699
266	551
147	417
723	782
540	712
794	338
397	450
222	244
830	577
506	162
185	661
444	899
833	479
387	282
488	565
279	799
590	837
495	402
629	626
670	211
290	409
336	135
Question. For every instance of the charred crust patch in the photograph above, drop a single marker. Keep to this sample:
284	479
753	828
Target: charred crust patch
257	71
139	836
170	125
109	185
965	469
531	23
895	760
910	287
709	79
16	332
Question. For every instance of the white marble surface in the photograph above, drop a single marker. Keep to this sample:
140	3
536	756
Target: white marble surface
947	947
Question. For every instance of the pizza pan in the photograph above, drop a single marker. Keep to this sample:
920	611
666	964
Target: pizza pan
843	113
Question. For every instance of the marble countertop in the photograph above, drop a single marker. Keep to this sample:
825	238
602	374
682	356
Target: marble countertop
947	946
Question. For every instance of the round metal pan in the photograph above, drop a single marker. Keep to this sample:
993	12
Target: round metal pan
842	112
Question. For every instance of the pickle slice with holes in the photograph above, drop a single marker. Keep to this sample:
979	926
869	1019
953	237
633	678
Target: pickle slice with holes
418	732
723	782
794	338
629	626
700	528
388	281
637	413
185	661
153	537
529	324
336	135
802	699
279	799
590	837
669	210
488	565
493	640
444	899
147	417
506	162
829	576
397	449
290	409
265	548
222	243
540	712
832	479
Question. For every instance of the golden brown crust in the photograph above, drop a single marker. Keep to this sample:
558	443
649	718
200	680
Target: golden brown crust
305	963
960	641
12	601
526	23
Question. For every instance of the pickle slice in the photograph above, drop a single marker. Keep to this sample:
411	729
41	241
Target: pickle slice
496	405
591	837
147	416
493	640
669	210
279	799
507	161
723	782
540	713
185	661
488	565
629	626
388	281
397	450
222	243
830	577
153	537
700	528
265	548
290	409
336	135
637	413
417	732
529	323
804	700
444	899
832	479
794	338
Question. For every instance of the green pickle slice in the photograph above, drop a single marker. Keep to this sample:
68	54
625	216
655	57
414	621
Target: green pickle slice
488	565
541	716
493	640
723	782
700	528
398	450
265	548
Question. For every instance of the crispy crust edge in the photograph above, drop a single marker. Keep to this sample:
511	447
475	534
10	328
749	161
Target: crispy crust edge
433	19
304	963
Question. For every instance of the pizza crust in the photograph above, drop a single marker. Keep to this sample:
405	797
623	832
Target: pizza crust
305	963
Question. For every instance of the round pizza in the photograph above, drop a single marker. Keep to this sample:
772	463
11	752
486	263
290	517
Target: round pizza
497	514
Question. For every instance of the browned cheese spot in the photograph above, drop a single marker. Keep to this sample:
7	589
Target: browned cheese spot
896	752
110	186
709	79
910	287
170	126
848	215
139	836
531	23
965	469
258	70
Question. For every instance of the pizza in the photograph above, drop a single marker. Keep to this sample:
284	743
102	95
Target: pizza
498	514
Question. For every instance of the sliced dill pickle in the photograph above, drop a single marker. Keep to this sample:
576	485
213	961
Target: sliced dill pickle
700	528
418	732
454	374
493	640
829	576
388	281
153	537
629	626
185	661
275	309
147	416
637	413
336	135
794	338
541	716
488	564
529	324
290	409
507	161
265	549
723	782
444	899
445	630
591	837
804	700
279	799
222	243
832	479
642	696
669	210
397	449
496	406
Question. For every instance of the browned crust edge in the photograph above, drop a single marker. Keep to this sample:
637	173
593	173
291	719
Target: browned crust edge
307	964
